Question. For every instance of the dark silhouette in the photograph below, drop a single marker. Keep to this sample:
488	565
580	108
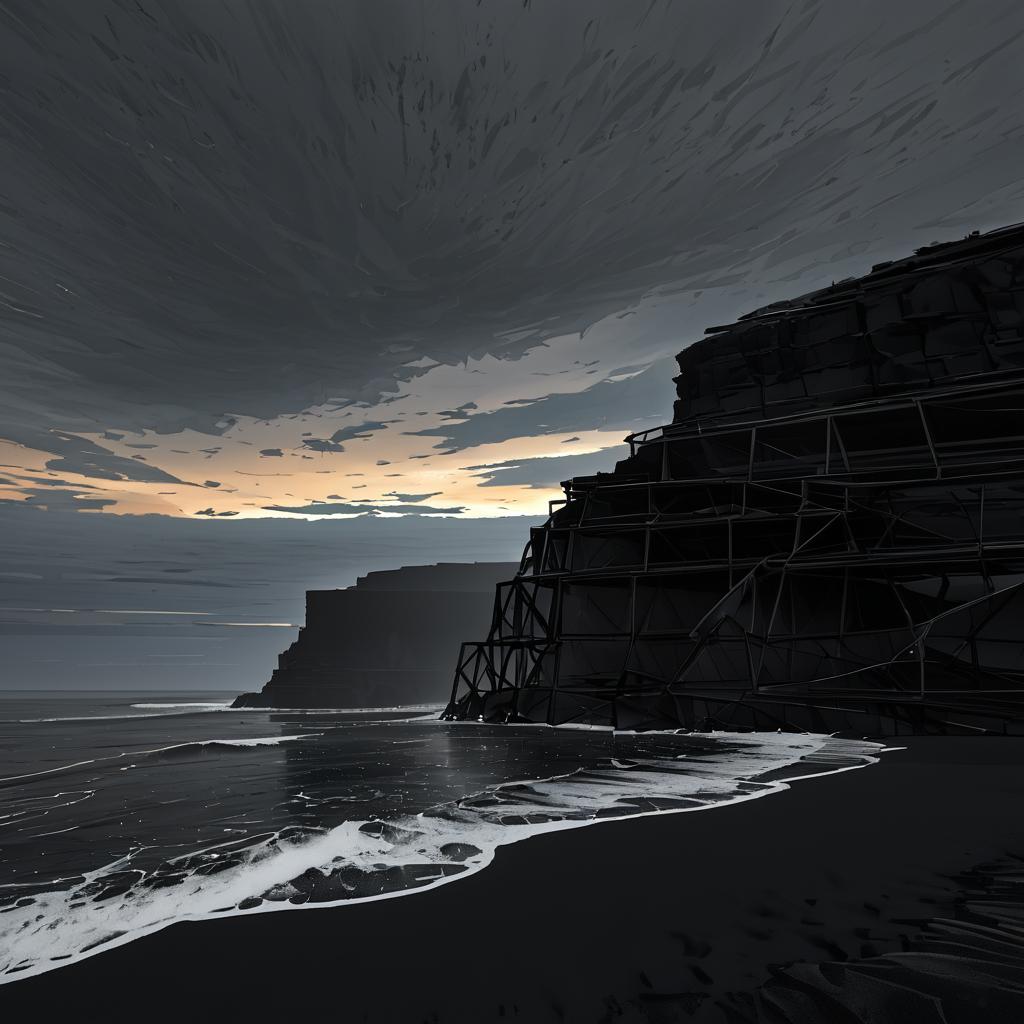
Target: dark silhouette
829	535
386	641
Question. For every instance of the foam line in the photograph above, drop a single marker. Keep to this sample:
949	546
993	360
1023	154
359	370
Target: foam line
59	768
209	705
170	711
255	741
352	862
431	709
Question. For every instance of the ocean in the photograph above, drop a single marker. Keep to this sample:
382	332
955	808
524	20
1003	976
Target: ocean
122	813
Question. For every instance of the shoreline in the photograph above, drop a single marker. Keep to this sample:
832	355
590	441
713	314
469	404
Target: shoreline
769	774
670	910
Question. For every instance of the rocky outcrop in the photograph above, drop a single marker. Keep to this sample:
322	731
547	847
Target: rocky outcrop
829	535
389	640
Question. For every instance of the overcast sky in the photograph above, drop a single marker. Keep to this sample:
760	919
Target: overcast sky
310	259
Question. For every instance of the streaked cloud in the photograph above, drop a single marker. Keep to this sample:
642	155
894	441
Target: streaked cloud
372	266
340	508
547	474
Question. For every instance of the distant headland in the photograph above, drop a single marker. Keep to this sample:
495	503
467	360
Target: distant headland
388	640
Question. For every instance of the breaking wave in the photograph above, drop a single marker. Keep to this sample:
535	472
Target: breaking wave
148	711
188	747
381	858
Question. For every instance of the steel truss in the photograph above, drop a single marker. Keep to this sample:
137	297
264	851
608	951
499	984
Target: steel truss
854	564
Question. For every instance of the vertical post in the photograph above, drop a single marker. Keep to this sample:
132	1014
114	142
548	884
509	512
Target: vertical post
729	522
632	609
928	438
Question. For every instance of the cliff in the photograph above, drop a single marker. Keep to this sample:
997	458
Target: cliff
389	640
829	535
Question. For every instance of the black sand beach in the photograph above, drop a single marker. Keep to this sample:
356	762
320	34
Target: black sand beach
675	917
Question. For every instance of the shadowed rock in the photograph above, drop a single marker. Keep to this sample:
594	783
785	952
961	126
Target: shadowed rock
828	535
389	640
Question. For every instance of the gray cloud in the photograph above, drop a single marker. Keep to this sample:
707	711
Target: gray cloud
56	482
607	405
316	196
340	508
77	455
549	473
318	444
411	497
57	500
362	430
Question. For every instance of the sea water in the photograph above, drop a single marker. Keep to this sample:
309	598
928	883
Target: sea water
123	813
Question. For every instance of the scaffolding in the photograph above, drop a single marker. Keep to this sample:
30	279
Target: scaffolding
785	557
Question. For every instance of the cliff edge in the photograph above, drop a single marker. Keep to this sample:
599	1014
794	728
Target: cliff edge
828	536
391	639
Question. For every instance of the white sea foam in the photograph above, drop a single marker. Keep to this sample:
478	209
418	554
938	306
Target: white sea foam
59	768
181	705
179	708
410	708
255	741
433	848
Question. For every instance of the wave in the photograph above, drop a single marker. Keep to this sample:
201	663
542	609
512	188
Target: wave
359	861
183	708
219	705
255	741
418	708
168	709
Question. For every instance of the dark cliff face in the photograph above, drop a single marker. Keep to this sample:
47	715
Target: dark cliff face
947	313
829	536
392	639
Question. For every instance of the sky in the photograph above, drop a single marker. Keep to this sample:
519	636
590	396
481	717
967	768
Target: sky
405	266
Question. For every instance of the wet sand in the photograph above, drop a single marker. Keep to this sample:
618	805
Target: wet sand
674	917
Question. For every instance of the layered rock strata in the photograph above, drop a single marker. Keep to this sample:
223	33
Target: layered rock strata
829	535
